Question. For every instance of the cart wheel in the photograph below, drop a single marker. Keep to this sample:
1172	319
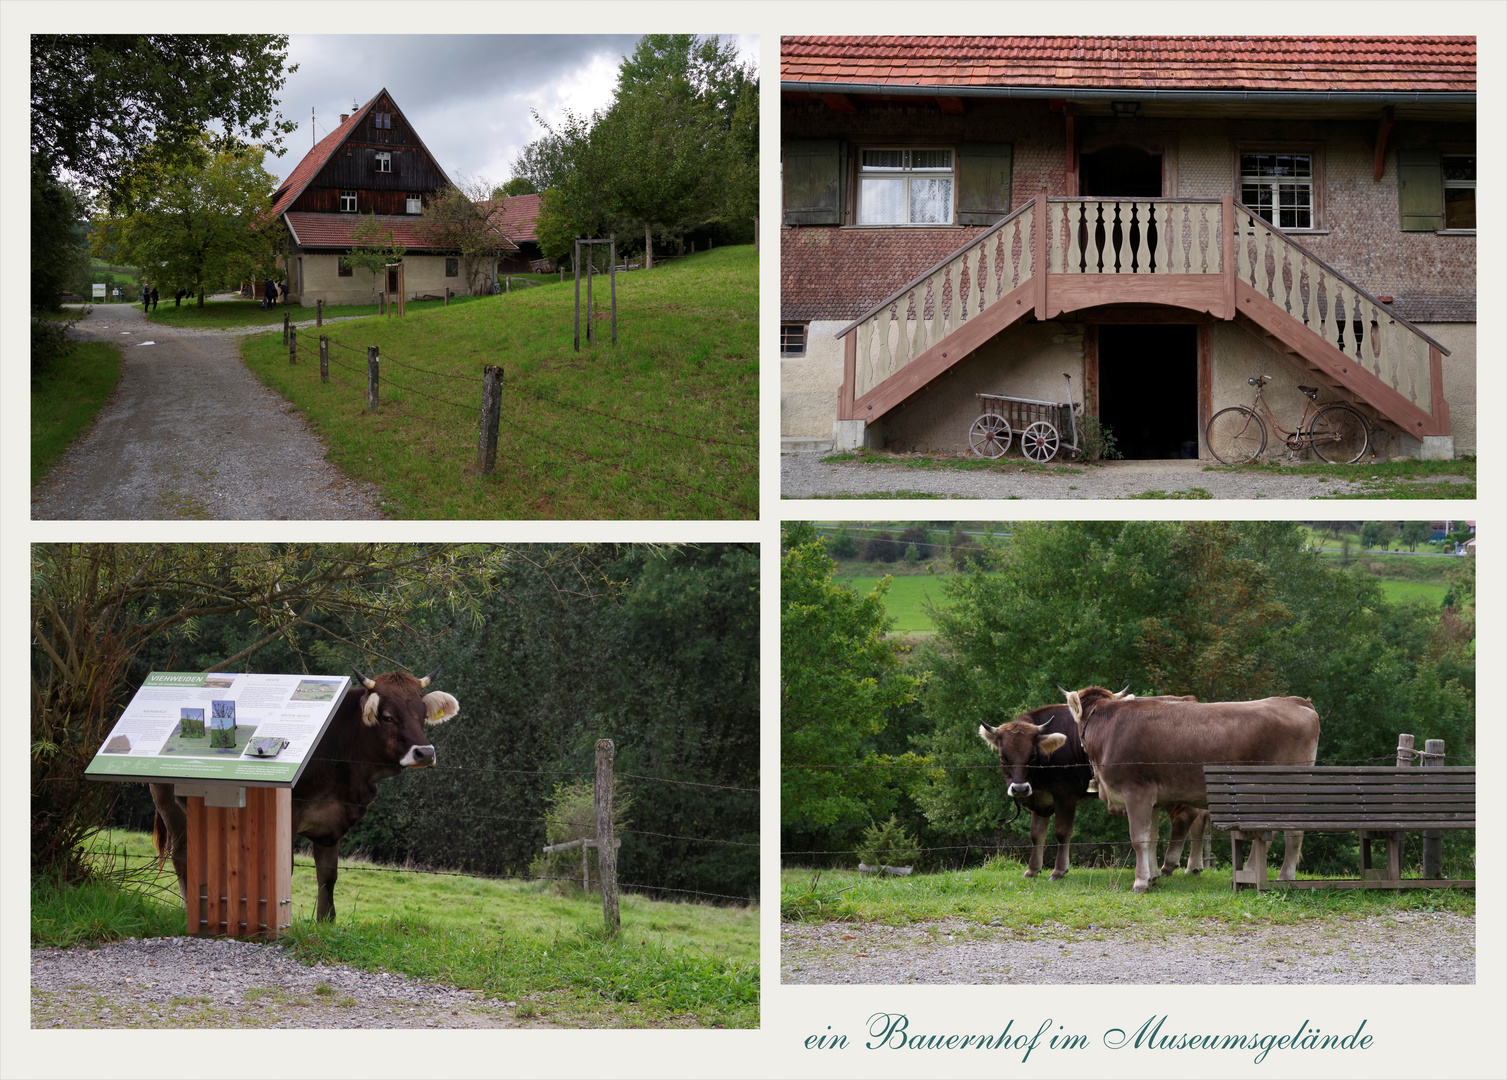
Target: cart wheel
1039	442
990	436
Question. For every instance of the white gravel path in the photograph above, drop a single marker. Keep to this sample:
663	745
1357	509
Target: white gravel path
1405	948
804	475
191	433
187	982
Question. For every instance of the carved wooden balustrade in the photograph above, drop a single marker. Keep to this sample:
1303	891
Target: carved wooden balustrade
1338	311
1056	255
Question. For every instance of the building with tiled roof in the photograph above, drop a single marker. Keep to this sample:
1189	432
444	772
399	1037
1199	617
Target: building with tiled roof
1162	218
373	164
517	218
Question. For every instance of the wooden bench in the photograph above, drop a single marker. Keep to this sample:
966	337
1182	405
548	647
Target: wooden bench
1253	802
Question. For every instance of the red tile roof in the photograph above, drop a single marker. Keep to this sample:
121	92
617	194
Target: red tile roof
517	216
1297	64
335	231
314	160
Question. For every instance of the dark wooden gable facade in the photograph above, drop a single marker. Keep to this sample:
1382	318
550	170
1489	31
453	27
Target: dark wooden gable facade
357	164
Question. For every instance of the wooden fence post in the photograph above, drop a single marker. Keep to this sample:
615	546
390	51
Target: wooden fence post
324	357
447	296
292	346
319	312
612	262
285	328
1433	846
606	849
576	266
491	412
371	378
1404	751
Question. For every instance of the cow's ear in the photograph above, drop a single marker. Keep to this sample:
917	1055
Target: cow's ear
369	706
439	707
1074	704
985	731
1051	743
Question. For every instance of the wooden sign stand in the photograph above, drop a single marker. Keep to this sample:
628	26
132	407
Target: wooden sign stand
240	860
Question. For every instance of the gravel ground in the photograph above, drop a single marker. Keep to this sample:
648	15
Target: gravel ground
803	475
187	982
191	433
1407	948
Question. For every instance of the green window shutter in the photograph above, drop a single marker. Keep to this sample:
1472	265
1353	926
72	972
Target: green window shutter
983	182
815	181
1420	190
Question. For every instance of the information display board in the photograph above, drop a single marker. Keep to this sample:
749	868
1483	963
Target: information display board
256	730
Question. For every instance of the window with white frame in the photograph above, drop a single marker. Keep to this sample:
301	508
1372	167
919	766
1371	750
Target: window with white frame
1459	190
1279	187
902	186
347	202
415	204
792	339
384	161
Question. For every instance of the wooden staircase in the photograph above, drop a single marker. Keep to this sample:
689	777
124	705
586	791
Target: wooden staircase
1059	255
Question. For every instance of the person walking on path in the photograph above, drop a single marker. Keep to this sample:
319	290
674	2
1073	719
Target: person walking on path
154	298
146	300
283	286
270	291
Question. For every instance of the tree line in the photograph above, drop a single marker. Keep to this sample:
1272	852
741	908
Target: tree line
874	726
676	151
547	648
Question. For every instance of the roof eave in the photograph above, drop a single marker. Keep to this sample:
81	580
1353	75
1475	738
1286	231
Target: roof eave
1140	93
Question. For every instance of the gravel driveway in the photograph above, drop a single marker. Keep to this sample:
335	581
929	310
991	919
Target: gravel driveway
1408	948
803	475
191	433
187	982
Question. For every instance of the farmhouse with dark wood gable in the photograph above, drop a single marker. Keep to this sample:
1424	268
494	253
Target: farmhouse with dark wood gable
1162	218
373	163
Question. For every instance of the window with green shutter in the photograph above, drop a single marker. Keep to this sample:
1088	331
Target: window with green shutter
983	182
814	172
1420	190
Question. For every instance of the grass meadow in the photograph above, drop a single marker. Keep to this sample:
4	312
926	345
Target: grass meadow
65	400
671	965
662	425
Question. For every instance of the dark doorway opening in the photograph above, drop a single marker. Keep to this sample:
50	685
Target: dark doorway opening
1121	170
1148	389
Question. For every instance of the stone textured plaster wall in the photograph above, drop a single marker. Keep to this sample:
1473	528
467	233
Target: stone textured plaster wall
1459	380
322	280
1025	361
809	384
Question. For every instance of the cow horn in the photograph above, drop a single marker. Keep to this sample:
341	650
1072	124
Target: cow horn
370	684
425	680
1122	692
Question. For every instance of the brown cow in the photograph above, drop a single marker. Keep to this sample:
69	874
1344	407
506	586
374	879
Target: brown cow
1047	772
377	732
1149	753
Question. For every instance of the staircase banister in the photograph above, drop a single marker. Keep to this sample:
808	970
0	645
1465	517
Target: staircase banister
898	293
1128	199
1385	307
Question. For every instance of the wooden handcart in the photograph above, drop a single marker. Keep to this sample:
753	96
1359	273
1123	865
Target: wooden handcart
1040	426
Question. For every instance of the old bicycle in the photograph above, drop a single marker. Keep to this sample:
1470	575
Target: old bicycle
1335	431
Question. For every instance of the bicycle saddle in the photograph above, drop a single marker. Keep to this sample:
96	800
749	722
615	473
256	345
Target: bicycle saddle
1311	391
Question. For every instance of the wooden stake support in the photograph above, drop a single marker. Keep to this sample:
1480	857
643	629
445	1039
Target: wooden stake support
240	860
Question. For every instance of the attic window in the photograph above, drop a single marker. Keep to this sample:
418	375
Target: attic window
384	161
382	120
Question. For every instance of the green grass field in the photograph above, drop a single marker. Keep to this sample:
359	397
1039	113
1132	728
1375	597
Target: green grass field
671	965
65	401
1097	900
905	602
664	425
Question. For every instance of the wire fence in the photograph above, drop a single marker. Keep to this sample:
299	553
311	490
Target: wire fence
472	410
994	766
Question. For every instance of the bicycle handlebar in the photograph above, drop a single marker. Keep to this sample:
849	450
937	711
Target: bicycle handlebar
1259	381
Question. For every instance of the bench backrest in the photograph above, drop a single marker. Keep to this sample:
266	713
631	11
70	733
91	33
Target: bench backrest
1341	798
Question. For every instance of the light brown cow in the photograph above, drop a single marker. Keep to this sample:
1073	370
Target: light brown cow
1149	754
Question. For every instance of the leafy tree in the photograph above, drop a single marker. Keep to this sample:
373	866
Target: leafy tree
376	248
192	223
1415	533
574	173
458	221
1373	533
707	65
58	257
518	185
842	546
98	101
839	676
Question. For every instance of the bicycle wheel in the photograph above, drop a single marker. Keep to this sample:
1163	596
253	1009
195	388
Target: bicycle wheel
1339	434
990	436
1236	435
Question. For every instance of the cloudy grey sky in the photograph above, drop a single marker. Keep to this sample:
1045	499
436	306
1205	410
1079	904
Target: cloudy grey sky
469	96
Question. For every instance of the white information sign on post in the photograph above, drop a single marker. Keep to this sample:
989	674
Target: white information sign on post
99	289
247	730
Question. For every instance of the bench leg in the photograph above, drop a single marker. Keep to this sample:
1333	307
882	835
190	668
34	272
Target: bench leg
1392	872
1249	869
